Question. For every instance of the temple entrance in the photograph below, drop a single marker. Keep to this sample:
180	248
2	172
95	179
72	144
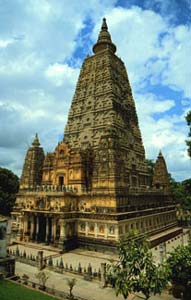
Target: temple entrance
61	180
42	228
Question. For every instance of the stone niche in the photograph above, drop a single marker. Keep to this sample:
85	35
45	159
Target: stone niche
7	263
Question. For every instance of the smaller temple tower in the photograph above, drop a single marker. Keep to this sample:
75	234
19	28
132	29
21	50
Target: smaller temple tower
160	174
32	169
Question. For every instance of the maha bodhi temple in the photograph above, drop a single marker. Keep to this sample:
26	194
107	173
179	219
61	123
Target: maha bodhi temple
95	186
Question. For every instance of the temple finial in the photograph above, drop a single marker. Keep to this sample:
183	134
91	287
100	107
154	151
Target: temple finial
160	153
36	141
104	40
104	25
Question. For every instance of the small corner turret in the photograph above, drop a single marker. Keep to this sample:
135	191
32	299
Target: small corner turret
32	169
160	174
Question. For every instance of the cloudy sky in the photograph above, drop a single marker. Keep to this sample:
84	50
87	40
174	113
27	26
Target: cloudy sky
43	44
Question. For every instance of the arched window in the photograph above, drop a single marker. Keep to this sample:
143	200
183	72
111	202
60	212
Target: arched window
92	228
62	152
101	229
82	226
111	230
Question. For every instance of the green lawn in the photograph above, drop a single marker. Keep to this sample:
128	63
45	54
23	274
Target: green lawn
13	291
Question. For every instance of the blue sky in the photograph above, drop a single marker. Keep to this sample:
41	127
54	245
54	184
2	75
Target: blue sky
43	44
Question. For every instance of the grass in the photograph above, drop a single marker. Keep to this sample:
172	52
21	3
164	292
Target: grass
13	291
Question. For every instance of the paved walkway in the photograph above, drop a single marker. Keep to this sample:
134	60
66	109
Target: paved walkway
84	289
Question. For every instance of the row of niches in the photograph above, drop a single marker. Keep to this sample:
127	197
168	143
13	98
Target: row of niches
83	100
87	87
95	62
119	76
66	205
93	80
96	228
146	224
98	116
98	74
48	205
88	107
145	200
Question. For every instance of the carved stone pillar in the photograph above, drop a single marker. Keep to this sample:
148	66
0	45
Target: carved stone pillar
47	229
25	224
37	228
116	233
20	230
25	228
106	231
62	233
103	275
62	230
52	230
96	230
87	229
32	228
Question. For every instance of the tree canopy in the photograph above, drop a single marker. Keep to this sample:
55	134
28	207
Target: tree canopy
9	185
188	142
182	193
135	270
179	266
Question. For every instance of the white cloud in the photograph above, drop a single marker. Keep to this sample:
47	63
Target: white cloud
6	43
58	73
163	131
38	38
178	71
24	64
151	48
148	104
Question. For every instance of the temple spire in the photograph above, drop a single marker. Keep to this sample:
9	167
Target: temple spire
36	142
104	40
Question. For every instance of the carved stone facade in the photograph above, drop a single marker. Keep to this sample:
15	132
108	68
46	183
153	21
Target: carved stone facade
94	187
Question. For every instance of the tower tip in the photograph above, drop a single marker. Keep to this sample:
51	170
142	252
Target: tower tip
36	140
104	24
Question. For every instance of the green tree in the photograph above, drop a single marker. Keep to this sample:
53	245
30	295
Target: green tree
71	283
9	185
188	142
150	164
42	278
135	270
182	193
179	264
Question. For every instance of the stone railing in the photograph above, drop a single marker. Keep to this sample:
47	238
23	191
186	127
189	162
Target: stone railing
56	265
61	267
51	188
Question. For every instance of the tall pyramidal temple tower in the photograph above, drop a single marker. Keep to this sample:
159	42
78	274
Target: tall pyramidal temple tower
103	121
95	186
